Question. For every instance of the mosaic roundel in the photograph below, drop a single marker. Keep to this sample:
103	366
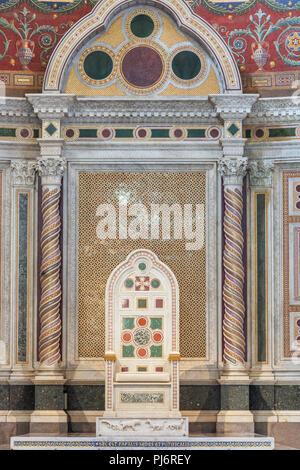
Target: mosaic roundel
142	24
142	337
96	65
186	65
142	66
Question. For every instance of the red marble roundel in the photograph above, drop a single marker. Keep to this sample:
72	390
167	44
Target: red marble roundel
142	66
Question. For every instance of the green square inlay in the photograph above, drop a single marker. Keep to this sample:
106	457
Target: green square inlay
142	303
233	129
124	133
142	369
156	351
283	132
160	133
128	323
7	132
156	323
51	129
87	133
196	133
248	134
128	351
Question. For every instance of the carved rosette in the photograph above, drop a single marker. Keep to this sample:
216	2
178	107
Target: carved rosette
23	172
234	309
51	170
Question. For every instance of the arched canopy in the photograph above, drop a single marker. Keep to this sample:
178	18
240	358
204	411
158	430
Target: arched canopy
181	13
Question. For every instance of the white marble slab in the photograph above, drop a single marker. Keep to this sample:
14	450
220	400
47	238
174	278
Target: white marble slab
106	443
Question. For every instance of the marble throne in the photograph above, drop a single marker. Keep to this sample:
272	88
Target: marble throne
142	343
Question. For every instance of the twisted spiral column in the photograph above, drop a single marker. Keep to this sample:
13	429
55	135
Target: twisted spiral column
50	320
49	342
233	172
233	322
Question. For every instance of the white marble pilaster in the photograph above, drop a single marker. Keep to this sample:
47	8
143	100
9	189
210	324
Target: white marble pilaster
23	268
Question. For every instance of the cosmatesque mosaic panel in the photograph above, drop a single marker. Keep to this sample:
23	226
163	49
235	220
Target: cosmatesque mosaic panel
291	276
98	257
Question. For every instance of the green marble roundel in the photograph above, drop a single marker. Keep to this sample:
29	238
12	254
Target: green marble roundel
98	65
186	65
142	26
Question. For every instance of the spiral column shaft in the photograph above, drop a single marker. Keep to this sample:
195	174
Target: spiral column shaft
50	320
234	308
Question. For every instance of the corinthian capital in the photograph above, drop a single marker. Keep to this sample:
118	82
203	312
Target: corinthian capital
23	172
261	172
233	170
51	170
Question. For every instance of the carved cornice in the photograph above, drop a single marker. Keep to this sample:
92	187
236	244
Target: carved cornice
233	170
23	172
270	110
54	106
16	110
261	172
137	110
233	107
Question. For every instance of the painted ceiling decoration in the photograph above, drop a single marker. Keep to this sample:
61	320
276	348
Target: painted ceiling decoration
264	37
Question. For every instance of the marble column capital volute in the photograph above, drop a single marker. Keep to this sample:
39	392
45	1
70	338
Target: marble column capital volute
233	170
233	165
261	172
23	172
51	170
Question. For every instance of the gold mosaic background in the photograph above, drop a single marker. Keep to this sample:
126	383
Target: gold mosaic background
97	258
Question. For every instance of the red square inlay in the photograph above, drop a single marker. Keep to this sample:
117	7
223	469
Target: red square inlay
159	369
159	303
125	303
124	369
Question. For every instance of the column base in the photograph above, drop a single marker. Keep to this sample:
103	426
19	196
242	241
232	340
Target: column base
13	423
49	375
49	421
235	422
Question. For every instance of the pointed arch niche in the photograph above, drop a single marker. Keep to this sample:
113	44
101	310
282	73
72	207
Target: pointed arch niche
110	33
